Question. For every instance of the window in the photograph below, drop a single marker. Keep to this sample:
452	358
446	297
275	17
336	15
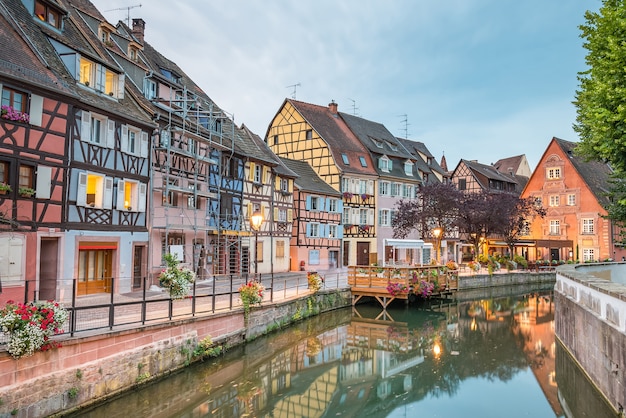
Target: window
284	185
345	219
378	143
47	13
332	231
170	197
314	203
149	89
555	227
363	217
393	146
192	200
100	78
395	189
4	172
313	229
332	205
132	53
554	200
553	173
588	226
282	215
407	191
309	134
314	257
384	217
363	162
97	129
131	195
383	188
95	190
344	157
26	175
280	249
385	164
408	168
588	254
258	173
15	99
571	200
362	187
105	36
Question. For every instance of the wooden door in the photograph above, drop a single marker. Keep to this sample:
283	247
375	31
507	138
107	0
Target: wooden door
362	253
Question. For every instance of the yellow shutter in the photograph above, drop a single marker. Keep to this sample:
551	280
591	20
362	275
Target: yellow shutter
289	215
290	186
252	167
275	214
266	175
249	210
277	183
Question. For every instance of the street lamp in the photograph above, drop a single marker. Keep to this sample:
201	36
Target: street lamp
437	233
255	223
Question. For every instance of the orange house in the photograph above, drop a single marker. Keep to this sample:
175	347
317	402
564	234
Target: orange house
572	191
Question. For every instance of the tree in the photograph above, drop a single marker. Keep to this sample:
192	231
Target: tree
514	215
600	100
474	220
437	206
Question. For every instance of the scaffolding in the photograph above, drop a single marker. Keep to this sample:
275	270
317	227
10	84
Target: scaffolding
190	153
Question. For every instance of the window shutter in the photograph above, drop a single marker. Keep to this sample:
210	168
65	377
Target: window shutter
142	197
339	232
120	195
370	216
390	164
339	206
249	210
44	182
290	185
370	187
100	78
355	216
81	194
308	229
320	204
85	126
110	134
380	163
124	139
290	215
252	170
308	203
266	175
107	201
277	183
144	144
275	214
36	109
121	78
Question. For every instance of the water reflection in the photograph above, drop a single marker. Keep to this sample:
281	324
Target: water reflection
488	357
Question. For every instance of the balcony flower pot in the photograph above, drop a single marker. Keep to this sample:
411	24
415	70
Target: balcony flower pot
26	192
5	188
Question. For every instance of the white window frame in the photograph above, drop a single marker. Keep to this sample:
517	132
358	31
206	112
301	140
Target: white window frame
588	226
395	189
332	205
383	188
589	254
384	164
408	168
571	200
137	200
384	217
282	215
314	229
407	191
363	219
346	218
555	200
102	187
553	173
332	231
258	173
555	227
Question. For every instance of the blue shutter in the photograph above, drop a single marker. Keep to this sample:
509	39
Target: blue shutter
308	230
320	204
308	203
339	231
339	206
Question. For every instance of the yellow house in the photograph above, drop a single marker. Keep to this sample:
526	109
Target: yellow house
319	136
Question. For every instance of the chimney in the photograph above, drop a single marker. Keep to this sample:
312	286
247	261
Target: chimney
332	106
139	26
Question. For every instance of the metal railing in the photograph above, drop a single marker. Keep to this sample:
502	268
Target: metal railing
105	312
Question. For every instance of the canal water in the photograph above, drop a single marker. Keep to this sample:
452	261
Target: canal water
489	353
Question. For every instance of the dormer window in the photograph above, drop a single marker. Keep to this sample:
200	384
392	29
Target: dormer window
132	53
379	144
363	161
100	78
385	164
344	157
105	36
49	14
170	75
393	146
408	168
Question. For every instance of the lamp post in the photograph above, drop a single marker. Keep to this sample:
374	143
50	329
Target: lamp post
437	233
255	223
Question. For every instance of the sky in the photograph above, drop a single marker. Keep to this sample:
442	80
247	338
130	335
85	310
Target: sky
472	79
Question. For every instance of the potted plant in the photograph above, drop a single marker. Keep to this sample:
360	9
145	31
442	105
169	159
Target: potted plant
176	279
5	188
26	191
315	281
250	293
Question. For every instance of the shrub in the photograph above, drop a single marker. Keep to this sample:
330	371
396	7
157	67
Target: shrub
176	279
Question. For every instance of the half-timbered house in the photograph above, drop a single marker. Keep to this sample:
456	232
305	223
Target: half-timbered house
429	170
472	176
318	135
398	179
317	232
268	189
573	192
103	185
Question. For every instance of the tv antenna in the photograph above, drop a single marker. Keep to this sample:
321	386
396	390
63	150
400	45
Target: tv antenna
354	108
295	86
127	12
405	120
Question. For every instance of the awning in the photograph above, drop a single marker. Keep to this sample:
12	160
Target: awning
406	243
549	243
91	245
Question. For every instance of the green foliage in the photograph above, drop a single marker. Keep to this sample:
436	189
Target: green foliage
521	261
79	374
72	393
206	348
601	112
178	280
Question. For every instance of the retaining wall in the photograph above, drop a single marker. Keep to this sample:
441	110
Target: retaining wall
91	369
590	322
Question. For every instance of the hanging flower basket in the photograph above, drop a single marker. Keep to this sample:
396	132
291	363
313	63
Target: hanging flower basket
30	326
178	280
